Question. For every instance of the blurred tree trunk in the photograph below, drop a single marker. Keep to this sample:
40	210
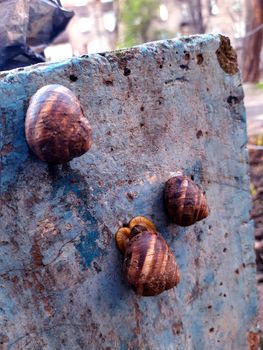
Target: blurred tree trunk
253	41
195	9
116	9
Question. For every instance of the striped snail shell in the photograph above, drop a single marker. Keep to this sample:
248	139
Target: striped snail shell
56	129
149	265
184	201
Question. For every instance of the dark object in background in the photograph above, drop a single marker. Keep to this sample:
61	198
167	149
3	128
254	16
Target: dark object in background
26	28
256	178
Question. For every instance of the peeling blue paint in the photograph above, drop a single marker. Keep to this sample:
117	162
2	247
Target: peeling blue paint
88	248
73	183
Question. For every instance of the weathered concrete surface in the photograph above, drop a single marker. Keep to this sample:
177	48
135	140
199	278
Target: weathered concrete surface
154	109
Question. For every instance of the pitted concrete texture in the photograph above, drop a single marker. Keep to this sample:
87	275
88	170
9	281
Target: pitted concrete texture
155	109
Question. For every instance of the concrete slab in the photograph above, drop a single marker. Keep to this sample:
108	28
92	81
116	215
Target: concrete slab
156	109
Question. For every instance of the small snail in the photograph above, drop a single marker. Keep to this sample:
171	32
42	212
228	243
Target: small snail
184	201
55	126
149	265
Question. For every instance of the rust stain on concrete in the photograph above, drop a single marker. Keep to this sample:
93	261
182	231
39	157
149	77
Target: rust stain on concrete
227	56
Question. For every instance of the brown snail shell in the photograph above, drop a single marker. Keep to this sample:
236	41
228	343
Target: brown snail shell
56	129
149	265
184	201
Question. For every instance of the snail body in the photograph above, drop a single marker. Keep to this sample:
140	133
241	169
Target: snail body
56	129
184	201
138	223
149	265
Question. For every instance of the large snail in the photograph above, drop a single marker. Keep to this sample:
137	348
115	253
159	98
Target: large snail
55	126
149	265
184	201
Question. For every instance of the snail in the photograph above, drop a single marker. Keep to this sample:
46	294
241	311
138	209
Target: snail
56	129
184	201
123	234
149	265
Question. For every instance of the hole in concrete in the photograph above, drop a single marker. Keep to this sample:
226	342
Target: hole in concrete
142	108
161	66
73	77
211	330
108	82
192	177
237	271
199	58
209	307
224	250
97	267
141	125
187	56
232	100
127	71
226	234
199	134
184	66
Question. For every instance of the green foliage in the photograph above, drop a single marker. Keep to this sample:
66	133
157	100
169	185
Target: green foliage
260	85
136	17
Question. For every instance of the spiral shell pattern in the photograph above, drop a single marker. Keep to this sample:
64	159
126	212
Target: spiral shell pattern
184	201
55	126
149	265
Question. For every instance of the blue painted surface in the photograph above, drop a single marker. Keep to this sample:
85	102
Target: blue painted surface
87	247
61	274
